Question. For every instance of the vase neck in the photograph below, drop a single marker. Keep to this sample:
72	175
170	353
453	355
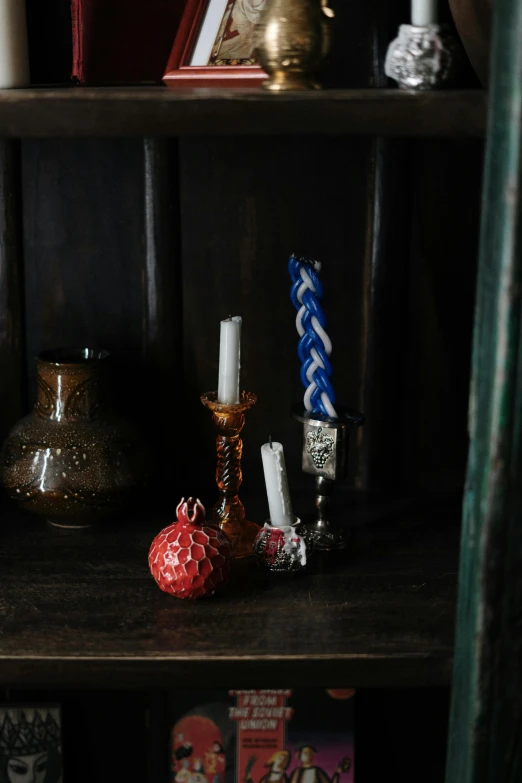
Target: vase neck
70	392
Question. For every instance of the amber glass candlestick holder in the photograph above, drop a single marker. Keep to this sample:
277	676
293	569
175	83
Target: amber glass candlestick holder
229	512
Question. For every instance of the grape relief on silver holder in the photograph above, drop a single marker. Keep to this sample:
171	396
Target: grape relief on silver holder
421	57
320	447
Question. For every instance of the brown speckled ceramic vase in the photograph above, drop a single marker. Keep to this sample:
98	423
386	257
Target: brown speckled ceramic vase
70	460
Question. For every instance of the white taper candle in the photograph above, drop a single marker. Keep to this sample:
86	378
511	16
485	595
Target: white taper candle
279	503
229	360
423	12
14	57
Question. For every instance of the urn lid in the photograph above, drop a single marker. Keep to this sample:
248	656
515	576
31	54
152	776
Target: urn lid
60	357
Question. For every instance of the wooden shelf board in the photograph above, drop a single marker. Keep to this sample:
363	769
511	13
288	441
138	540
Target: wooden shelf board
81	609
158	111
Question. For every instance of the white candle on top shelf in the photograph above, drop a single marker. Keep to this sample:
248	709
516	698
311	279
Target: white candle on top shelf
229	360
423	12
279	503
14	58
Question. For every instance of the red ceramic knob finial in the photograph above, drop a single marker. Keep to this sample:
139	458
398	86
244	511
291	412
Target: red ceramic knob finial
190	559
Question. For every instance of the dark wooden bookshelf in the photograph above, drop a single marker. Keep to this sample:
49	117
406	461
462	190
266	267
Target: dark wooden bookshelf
141	245
158	111
80	609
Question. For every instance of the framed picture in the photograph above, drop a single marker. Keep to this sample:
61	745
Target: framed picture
215	45
30	743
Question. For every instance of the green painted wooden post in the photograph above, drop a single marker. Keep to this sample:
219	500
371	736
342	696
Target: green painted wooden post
485	742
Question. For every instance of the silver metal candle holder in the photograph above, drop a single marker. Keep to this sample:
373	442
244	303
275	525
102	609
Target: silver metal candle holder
283	550
325	456
422	57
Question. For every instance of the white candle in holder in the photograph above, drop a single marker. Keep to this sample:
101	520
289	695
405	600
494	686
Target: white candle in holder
279	503
14	57
423	12
229	360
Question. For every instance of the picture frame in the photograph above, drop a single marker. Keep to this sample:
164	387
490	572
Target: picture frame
200	39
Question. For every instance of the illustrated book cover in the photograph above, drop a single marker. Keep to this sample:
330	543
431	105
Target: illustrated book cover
263	736
30	743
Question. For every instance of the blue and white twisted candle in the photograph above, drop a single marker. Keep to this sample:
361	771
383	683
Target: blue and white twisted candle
315	346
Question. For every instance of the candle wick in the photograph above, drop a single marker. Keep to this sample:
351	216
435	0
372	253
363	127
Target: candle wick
270	441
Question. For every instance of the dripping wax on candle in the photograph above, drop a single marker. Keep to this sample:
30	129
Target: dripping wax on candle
276	480
229	360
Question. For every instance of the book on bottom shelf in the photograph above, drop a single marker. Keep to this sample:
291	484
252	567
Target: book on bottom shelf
30	743
262	736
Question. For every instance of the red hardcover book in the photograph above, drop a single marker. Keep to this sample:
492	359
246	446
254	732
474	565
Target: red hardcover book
122	40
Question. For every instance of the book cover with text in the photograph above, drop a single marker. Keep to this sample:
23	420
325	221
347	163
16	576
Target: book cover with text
263	736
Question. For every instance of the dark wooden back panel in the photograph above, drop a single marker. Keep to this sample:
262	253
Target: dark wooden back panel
12	392
394	226
100	261
142	246
83	243
441	280
246	206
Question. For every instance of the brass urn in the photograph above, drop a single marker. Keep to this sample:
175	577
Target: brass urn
292	41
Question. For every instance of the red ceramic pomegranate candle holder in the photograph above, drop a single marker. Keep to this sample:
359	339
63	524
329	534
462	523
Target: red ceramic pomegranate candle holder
190	559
